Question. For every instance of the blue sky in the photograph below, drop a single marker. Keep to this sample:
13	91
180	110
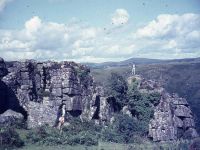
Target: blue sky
99	30
95	12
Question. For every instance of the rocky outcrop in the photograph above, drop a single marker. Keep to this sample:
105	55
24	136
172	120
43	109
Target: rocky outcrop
42	87
39	89
173	118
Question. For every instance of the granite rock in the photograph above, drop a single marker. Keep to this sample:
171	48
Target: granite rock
171	115
40	88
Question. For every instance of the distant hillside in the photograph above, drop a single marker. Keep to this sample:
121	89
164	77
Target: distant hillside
139	61
180	76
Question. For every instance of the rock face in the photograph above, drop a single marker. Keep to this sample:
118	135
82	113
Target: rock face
173	118
37	90
40	88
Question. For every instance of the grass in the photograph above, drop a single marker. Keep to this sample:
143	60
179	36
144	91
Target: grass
59	147
22	133
179	145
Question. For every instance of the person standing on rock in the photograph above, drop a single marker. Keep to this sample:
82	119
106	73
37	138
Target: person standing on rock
133	69
61	119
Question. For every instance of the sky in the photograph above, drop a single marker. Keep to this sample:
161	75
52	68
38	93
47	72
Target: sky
99	30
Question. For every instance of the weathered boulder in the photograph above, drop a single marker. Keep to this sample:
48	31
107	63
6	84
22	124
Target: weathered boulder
10	117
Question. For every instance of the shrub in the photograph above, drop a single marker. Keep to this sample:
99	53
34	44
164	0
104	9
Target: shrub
109	135
9	138
122	129
44	135
154	98
142	105
117	87
85	133
83	138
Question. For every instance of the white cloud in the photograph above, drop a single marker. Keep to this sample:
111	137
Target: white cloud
120	17
169	26
168	36
33	24
3	4
171	35
89	33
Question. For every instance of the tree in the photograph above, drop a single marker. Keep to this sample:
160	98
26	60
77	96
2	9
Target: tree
122	130
117	87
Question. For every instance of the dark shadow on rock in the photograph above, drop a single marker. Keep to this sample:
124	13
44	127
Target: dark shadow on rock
75	113
97	105
8	100
112	101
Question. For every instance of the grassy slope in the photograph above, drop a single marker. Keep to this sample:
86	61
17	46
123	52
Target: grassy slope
181	78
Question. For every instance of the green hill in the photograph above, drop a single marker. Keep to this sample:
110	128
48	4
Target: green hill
140	61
